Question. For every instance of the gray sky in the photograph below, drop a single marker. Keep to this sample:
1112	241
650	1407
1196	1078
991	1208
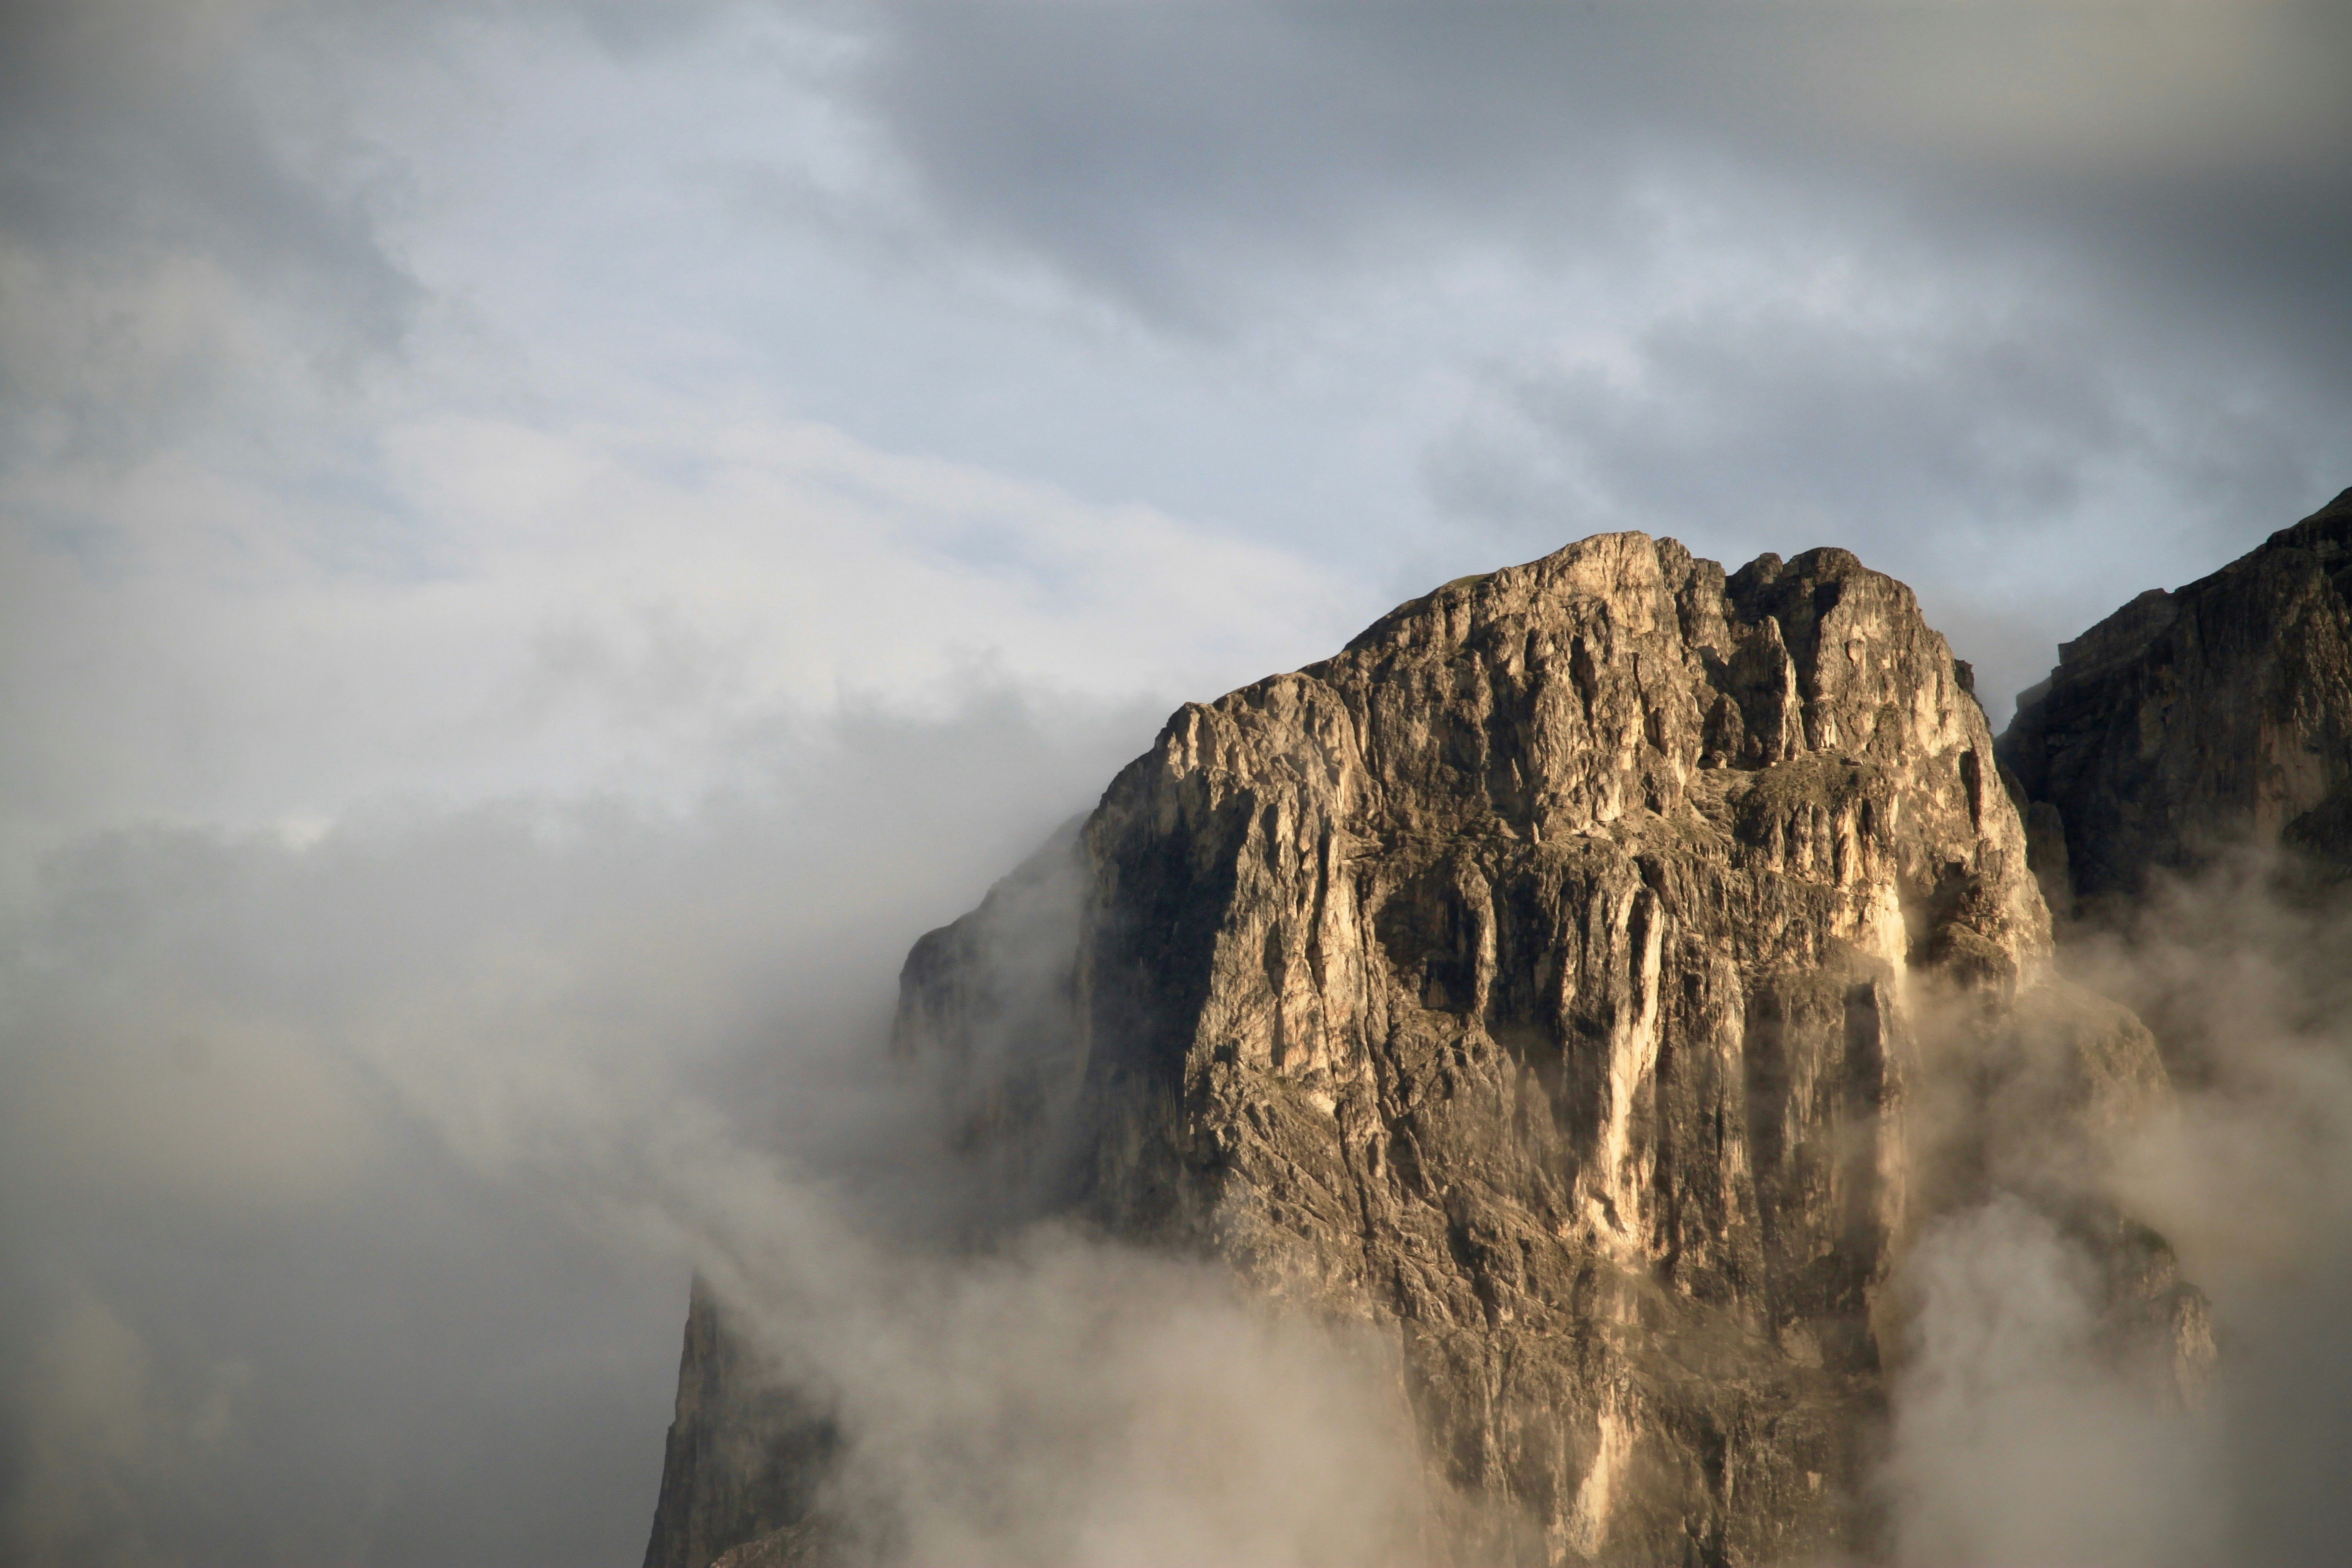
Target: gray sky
541	544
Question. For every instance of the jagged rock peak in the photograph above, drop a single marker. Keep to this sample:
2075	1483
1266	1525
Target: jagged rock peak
1592	979
1551	976
1607	682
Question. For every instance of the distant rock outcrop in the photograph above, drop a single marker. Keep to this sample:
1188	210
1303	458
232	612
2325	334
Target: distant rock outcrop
2219	713
1593	977
746	1458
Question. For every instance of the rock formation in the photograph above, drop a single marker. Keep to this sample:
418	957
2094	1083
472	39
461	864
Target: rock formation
2219	713
745	1459
1593	977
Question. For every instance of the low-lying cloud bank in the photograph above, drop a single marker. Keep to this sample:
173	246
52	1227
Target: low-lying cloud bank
2015	1435
343	1185
351	1189
2253	1181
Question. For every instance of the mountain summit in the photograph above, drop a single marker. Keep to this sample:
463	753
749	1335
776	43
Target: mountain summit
1592	982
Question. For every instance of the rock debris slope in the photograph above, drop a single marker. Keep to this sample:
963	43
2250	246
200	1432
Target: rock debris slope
1591	978
2189	720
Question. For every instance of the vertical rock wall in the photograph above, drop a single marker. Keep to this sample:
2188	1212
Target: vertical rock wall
745	1457
2219	713
1591	977
1552	974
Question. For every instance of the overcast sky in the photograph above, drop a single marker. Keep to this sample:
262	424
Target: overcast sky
541	544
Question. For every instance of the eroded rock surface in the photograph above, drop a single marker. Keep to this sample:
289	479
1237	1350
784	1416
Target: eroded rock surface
1593	977
2217	714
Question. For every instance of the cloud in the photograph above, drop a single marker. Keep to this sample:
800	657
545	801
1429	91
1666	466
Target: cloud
100	1437
200	212
1139	142
350	1188
1991	294
2014	1439
167	236
1917	276
1189	1427
2017	1433
593	606
377	1163
2240	972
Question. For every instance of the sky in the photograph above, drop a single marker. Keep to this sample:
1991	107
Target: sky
542	543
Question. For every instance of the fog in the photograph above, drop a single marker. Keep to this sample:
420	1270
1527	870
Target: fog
352	1185
2253	1181
351	1189
2018	1431
541	546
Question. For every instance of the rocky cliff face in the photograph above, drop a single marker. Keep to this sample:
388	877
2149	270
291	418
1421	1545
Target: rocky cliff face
1593	977
746	1459
2218	713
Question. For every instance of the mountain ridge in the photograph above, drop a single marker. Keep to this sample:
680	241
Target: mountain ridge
1595	978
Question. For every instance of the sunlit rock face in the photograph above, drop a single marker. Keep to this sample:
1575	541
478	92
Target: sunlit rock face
2189	721
1591	978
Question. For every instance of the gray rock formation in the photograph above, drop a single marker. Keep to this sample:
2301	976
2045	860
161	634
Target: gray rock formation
2219	713
746	1457
1593	977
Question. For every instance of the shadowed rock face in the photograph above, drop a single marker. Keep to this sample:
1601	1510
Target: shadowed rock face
746	1458
1593	976
2215	714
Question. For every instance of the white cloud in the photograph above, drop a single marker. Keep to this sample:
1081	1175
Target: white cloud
594	606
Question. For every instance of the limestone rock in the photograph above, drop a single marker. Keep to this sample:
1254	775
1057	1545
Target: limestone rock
746	1455
2220	713
1593	977
1548	975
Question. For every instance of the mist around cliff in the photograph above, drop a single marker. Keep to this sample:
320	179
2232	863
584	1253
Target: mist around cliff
350	1188
344	1233
1068	1400
352	1199
350	1179
2015	1434
345	1185
2242	972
